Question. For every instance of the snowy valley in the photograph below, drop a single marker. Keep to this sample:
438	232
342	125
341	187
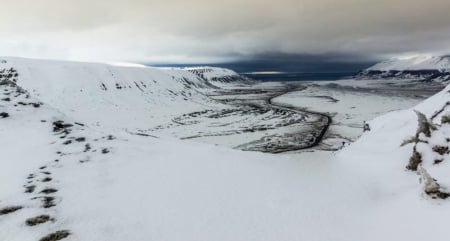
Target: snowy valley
106	152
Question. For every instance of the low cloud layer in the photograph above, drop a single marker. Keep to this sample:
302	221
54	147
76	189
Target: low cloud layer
222	31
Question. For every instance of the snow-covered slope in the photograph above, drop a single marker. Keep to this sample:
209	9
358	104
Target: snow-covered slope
423	67
218	76
111	95
64	178
403	143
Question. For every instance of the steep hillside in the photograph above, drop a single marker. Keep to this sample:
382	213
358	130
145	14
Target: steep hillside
436	68
218	76
405	143
108	95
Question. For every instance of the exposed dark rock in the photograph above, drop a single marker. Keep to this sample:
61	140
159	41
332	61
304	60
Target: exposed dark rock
46	179
445	119
67	142
58	235
87	147
36	105
48	202
425	126
105	151
442	195
80	139
441	149
49	190
10	209
414	161
437	161
425	75
4	115
37	220
30	189
60	125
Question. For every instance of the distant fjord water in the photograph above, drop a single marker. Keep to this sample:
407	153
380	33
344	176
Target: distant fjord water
297	76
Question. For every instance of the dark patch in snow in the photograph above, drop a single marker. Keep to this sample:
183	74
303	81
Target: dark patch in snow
80	139
67	142
441	150
87	147
60	125
49	190
46	179
58	235
30	189
37	220
4	115
10	209
48	202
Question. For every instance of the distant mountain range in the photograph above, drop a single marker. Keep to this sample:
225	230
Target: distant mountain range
423	67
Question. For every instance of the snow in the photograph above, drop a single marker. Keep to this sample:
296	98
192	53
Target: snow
379	156
147	188
420	62
348	108
96	92
212	72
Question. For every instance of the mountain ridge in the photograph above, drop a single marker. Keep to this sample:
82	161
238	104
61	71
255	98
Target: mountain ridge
422	67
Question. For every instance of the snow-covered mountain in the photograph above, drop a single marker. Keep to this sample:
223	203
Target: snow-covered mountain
69	171
218	76
115	95
423	67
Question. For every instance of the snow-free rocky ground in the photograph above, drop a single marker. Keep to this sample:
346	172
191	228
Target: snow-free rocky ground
93	152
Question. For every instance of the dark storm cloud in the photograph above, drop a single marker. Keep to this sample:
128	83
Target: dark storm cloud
327	62
223	31
306	63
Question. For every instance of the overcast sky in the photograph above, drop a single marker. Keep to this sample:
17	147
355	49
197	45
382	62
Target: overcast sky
206	31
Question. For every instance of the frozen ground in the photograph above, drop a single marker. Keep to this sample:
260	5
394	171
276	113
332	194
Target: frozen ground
348	109
78	163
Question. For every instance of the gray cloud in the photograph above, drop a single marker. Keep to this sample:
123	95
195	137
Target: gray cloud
217	31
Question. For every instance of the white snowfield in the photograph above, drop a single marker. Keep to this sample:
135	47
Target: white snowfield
116	186
212	72
112	96
421	62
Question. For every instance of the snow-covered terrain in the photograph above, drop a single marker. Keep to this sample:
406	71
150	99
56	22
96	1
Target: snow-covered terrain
78	162
347	107
112	96
219	77
422	67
